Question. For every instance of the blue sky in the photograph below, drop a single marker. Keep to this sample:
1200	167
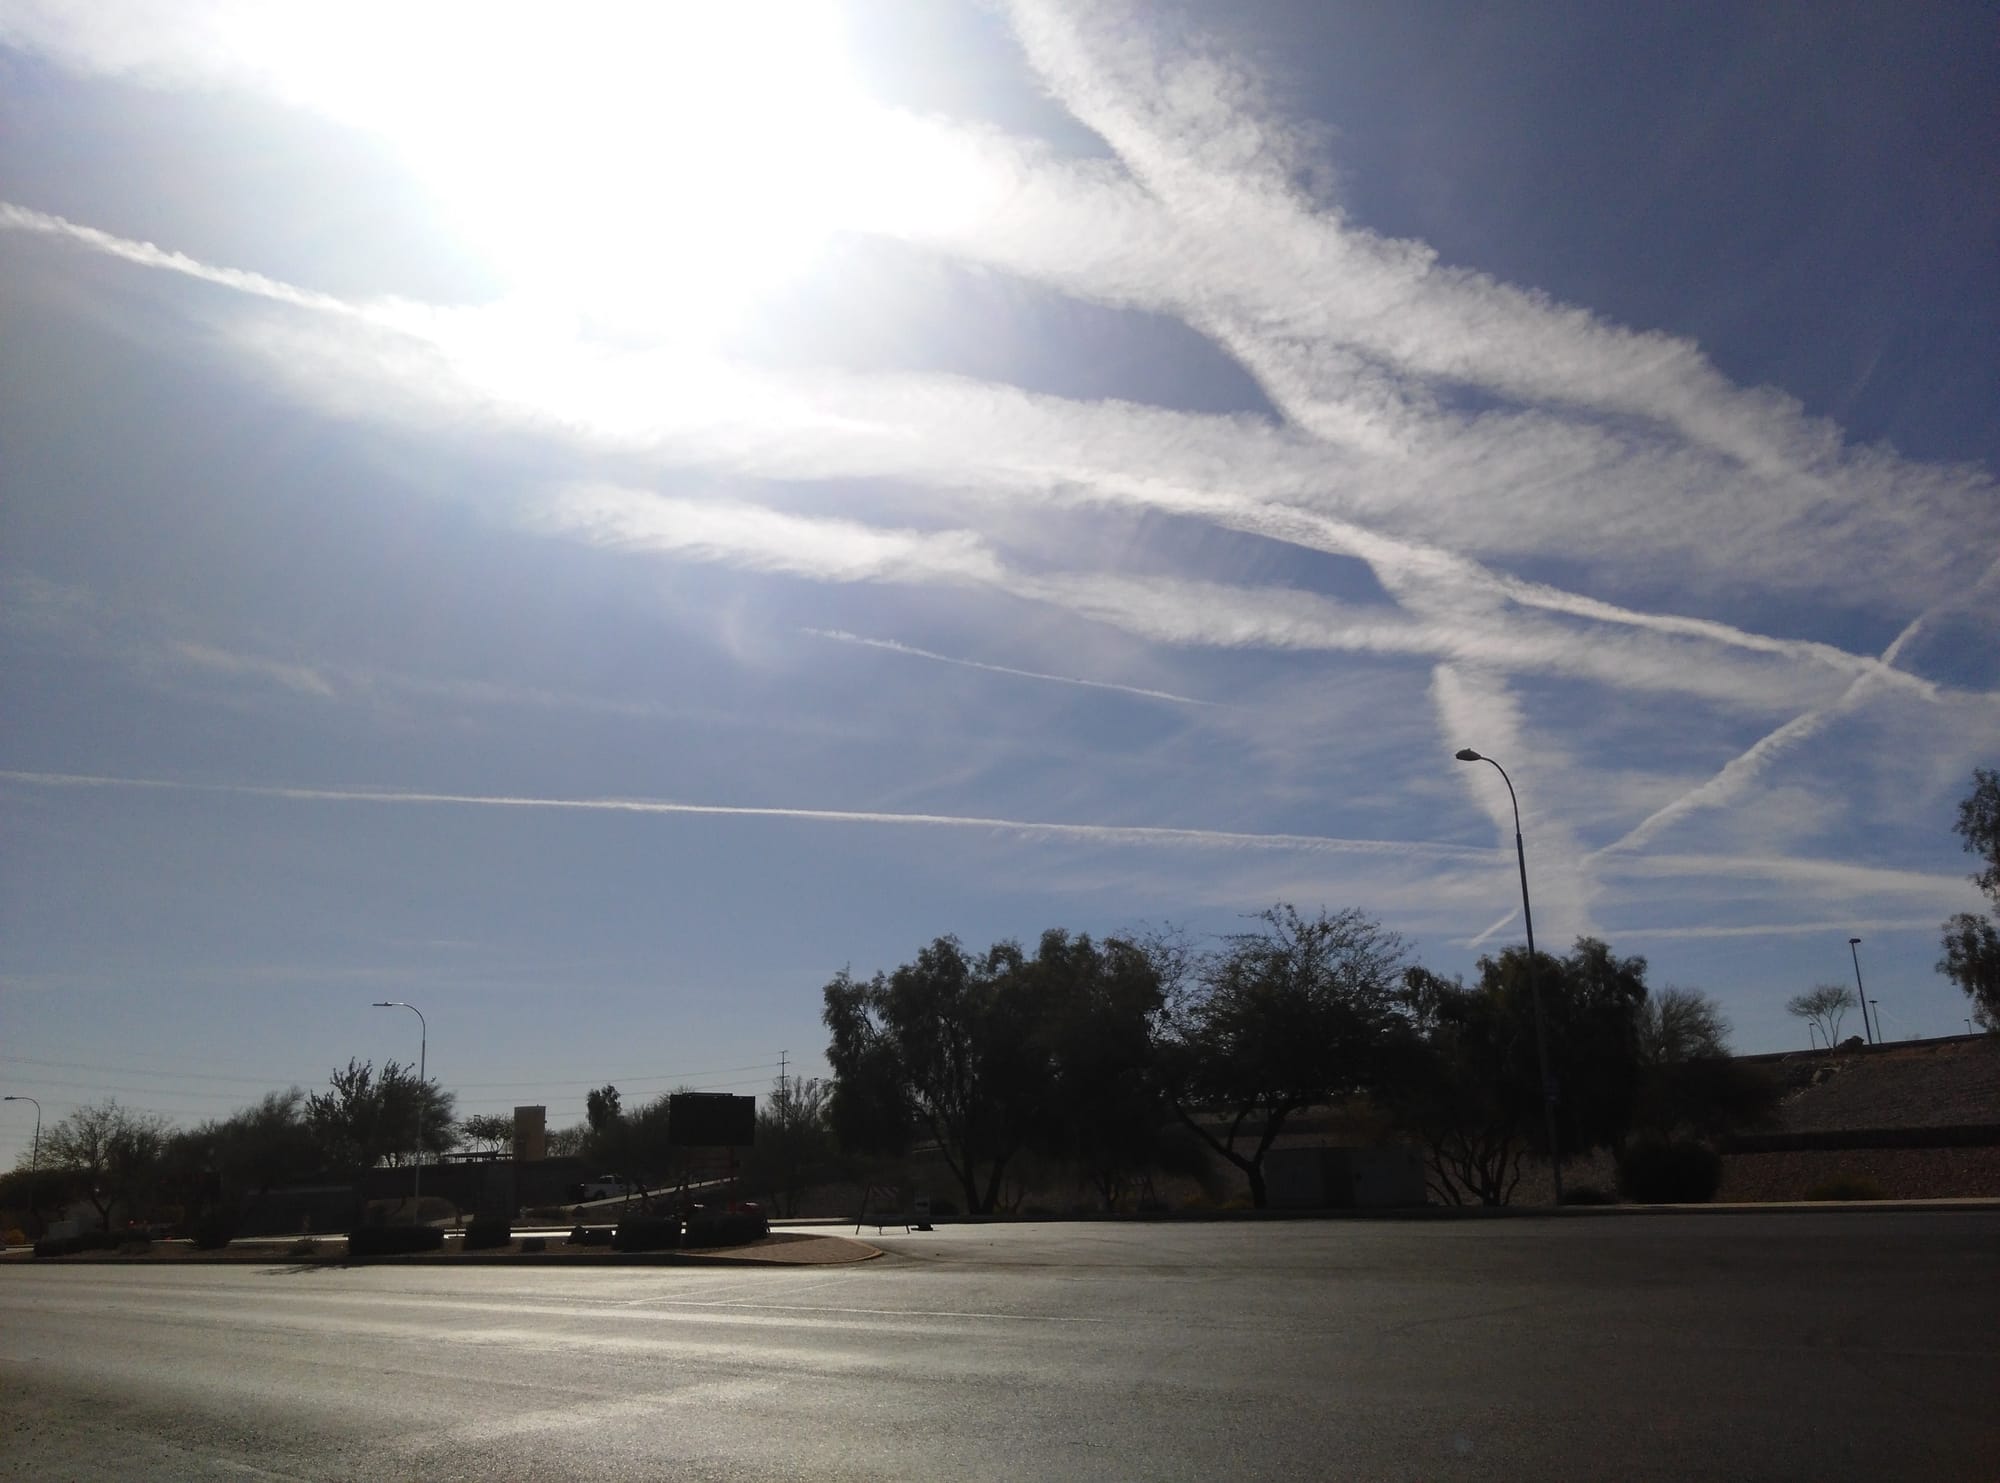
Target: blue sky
592	526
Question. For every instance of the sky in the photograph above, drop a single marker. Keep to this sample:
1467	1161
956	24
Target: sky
592	521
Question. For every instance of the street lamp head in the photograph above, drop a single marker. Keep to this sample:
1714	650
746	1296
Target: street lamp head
1466	754
385	1004
1854	942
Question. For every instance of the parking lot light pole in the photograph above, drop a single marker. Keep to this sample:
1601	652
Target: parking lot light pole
1466	754
35	1158
423	1044
1854	952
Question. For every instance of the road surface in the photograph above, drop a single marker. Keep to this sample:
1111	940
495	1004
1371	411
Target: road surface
1823	1346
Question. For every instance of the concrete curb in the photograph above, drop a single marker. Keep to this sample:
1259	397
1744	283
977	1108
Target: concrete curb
1458	1212
740	1257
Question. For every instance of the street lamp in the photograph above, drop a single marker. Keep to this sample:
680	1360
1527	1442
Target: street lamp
1854	952
423	1042
1466	754
1876	1005
1812	1034
35	1158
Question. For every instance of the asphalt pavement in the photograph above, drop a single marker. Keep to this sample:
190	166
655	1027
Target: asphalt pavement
1823	1346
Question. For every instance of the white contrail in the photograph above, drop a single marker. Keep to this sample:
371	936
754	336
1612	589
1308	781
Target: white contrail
1109	834
1393	557
1741	771
893	647
147	255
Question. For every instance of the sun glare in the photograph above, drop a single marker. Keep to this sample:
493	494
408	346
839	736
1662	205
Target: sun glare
651	169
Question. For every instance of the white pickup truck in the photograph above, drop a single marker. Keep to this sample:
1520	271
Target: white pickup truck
604	1187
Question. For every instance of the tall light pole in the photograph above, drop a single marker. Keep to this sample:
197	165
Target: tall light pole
1812	1034
1854	952
423	1043
1466	754
35	1158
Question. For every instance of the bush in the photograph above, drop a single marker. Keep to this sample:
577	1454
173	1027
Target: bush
647	1233
393	1240
484	1235
83	1241
1846	1187
1669	1172
726	1227
212	1233
943	1207
1588	1194
590	1236
534	1243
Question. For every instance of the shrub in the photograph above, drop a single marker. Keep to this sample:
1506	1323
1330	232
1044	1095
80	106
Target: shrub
1669	1172
590	1236
1588	1194
534	1243
393	1240
726	1227
484	1235
212	1232
1846	1187
942	1207
82	1241
647	1233
305	1246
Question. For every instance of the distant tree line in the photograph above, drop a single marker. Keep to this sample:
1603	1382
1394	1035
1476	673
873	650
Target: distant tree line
1113	1057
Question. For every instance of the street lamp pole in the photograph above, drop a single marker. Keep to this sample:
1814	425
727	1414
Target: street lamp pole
35	1158
1854	952
423	1044
1812	1034
1466	754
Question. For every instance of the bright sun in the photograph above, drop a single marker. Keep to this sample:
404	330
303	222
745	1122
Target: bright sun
649	168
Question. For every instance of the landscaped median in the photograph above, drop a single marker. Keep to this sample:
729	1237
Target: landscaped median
778	1248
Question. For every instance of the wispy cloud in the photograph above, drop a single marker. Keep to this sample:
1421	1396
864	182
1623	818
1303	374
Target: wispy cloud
1088	834
890	646
299	677
1625	453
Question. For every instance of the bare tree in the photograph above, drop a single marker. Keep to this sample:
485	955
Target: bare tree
114	1152
1823	1005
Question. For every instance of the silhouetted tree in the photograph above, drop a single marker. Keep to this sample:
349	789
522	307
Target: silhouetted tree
114	1154
1473	1090
949	1046
1689	1084
1300	1013
1970	942
1824	1005
794	1146
1468	1090
363	1119
1107	1110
